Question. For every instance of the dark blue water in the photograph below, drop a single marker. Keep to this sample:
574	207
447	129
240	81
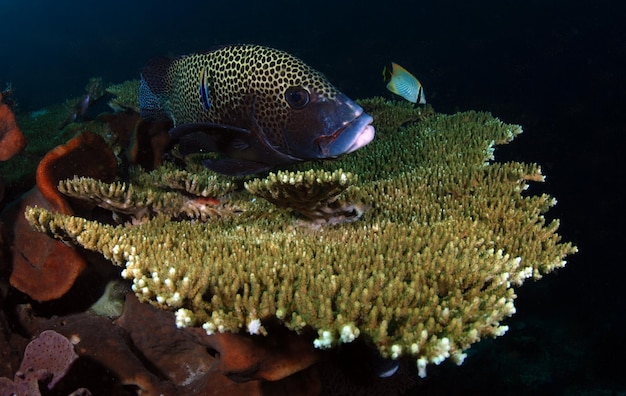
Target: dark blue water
556	67
503	52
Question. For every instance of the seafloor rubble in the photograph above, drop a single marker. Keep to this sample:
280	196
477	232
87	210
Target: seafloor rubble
174	280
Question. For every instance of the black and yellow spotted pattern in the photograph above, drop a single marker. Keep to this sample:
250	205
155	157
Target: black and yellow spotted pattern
246	83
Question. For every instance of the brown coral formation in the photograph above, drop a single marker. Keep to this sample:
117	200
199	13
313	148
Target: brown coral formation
49	271
86	154
145	351
144	142
12	140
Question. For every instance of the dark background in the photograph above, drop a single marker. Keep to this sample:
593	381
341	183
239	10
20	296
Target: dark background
555	67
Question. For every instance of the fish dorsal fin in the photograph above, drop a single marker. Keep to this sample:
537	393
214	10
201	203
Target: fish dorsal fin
155	74
405	84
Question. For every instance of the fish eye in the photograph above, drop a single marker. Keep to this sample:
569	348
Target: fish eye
297	97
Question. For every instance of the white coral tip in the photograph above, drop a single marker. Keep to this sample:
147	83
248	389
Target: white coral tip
349	333
421	367
325	340
254	327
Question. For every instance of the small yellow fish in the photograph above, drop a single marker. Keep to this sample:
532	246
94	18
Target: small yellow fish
404	84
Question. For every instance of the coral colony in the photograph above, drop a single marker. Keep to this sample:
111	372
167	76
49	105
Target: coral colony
413	245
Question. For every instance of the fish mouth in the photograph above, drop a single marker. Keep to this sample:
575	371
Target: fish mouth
349	138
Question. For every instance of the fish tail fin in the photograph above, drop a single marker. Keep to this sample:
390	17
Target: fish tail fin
154	88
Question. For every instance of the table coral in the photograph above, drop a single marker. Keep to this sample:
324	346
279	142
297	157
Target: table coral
166	191
317	195
427	271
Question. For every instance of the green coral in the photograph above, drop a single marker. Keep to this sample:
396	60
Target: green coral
124	96
427	271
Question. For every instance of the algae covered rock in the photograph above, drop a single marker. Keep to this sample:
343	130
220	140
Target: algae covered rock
429	269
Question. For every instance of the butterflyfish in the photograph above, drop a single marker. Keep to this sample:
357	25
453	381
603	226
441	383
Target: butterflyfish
404	84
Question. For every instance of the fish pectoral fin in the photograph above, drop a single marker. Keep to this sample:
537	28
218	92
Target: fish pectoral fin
205	137
239	144
235	167
207	127
197	142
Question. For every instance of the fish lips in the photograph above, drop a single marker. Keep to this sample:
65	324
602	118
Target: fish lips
349	138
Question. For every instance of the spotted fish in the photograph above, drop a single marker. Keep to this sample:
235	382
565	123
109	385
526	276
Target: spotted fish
257	107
